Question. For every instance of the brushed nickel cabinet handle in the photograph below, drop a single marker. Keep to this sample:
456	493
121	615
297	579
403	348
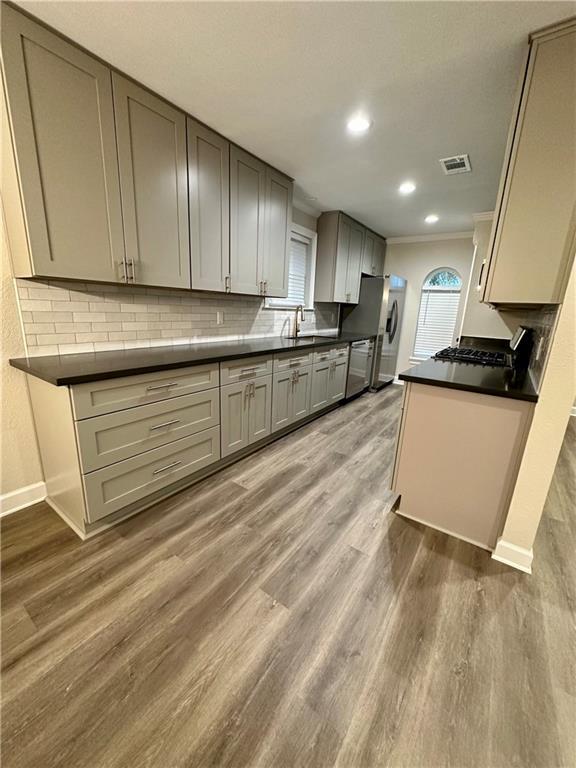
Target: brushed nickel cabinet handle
479	286
165	424
252	390
246	394
265	287
124	275
151	387
168	466
227	284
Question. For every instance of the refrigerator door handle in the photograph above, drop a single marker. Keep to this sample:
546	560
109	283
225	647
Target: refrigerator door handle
393	321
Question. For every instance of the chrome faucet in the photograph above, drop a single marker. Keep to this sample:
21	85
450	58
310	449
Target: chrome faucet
300	309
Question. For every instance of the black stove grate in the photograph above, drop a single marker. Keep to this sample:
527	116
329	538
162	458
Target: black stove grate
474	356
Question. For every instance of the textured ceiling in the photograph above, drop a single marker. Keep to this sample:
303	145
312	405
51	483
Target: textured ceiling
281	79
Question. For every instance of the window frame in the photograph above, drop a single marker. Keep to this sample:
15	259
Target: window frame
414	357
303	233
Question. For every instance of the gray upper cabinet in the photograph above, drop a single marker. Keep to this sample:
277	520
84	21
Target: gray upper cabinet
340	258
373	254
247	221
279	191
354	267
62	119
209	189
151	137
368	253
534	232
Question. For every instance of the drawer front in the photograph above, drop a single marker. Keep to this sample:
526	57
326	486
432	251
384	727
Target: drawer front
285	361
104	440
115	487
99	397
245	369
330	353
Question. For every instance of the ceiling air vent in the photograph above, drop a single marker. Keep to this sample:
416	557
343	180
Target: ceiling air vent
456	164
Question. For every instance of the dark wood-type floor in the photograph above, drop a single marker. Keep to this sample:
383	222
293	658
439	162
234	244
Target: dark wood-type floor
277	615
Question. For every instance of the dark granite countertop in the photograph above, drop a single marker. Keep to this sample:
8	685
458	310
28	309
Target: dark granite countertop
470	378
63	370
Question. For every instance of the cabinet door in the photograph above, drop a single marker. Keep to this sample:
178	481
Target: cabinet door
260	411
60	103
378	259
278	224
535	226
341	266
368	254
151	139
320	394
247	210
282	399
301	393
337	380
354	269
209	188
234	417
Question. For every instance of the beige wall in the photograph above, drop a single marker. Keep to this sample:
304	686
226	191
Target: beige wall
304	219
551	416
414	261
480	319
19	458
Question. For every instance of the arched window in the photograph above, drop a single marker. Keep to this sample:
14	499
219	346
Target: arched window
439	302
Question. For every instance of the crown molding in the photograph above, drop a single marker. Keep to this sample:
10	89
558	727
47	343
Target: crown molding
486	216
429	238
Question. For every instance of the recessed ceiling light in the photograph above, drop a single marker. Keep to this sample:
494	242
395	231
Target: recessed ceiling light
358	124
431	218
407	187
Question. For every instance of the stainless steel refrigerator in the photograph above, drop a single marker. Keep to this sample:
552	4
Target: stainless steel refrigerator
379	313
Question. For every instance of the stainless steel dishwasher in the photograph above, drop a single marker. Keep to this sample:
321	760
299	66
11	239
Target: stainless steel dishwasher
360	367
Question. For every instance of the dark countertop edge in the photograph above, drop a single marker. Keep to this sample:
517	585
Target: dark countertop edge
26	364
513	394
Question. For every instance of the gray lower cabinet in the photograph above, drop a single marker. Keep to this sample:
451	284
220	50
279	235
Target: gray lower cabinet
119	485
62	120
245	413
209	189
104	440
247	221
151	137
328	383
291	396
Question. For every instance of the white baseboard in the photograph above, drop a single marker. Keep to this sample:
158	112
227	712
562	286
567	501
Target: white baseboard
22	497
398	381
513	555
573	411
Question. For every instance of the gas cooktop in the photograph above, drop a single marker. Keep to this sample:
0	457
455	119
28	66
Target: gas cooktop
474	356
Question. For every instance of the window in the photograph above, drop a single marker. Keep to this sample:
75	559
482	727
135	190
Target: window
439	302
301	266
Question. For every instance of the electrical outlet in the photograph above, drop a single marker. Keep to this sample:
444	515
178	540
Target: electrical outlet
219	318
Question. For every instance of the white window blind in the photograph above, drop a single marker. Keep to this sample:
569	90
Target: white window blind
298	273
436	320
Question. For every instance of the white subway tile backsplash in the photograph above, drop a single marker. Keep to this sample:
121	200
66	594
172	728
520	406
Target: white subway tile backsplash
70	317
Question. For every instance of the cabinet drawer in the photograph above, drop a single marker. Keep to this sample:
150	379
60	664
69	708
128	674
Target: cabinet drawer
110	395
129	481
245	369
104	440
330	353
284	361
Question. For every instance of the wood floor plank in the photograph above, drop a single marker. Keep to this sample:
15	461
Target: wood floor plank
280	615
